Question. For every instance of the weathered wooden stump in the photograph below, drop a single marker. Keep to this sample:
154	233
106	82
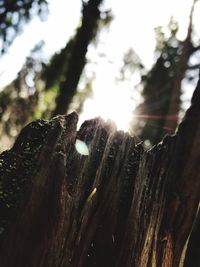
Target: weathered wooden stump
103	202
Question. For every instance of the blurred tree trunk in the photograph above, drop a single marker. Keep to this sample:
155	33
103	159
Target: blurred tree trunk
159	112
100	202
174	104
77	59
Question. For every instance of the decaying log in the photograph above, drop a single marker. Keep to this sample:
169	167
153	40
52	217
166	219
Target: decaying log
113	204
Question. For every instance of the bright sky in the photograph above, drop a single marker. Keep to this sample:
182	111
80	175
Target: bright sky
133	26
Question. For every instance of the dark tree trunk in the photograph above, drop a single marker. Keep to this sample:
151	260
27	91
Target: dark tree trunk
77	60
117	206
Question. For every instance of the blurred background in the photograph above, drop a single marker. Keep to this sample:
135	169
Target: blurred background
134	62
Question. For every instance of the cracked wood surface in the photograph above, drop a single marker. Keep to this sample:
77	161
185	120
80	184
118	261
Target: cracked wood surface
117	206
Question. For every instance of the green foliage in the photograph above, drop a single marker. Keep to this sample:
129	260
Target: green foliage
19	100
46	103
14	14
131	63
53	72
162	39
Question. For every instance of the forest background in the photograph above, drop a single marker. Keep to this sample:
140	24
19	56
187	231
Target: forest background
135	63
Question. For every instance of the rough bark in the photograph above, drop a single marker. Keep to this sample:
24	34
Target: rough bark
117	206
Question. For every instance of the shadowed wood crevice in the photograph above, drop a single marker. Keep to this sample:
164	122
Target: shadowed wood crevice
113	205
193	252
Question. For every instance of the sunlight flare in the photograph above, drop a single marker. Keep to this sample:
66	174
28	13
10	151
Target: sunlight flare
110	102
